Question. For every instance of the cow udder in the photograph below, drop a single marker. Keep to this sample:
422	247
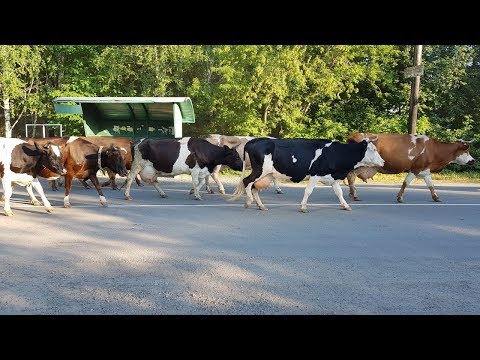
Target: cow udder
264	182
366	172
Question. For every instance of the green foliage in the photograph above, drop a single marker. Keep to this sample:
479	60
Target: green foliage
313	91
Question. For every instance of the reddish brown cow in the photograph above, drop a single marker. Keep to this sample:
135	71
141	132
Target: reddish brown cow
418	155
82	159
125	145
45	173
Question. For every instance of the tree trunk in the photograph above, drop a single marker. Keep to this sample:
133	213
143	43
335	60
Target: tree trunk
34	125
265	113
8	126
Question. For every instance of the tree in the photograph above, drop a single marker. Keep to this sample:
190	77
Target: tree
19	74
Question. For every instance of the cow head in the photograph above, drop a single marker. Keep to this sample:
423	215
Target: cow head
462	153
232	159
50	158
358	137
113	157
371	157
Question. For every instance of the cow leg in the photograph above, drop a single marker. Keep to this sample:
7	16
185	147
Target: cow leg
277	187
138	180
351	176
338	191
156	185
256	197
84	183
408	179
31	195
38	187
7	191
2	198
93	178
429	182
53	185
197	183
111	179
249	195
216	178
68	187
134	171
308	191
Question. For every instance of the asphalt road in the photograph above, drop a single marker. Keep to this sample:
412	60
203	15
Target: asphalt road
181	256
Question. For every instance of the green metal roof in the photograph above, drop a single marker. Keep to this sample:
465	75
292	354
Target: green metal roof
125	108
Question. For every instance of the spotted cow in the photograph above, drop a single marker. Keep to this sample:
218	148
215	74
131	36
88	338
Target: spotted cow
417	155
295	160
169	157
21	163
233	142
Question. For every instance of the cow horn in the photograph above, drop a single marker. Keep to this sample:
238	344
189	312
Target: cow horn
367	139
466	141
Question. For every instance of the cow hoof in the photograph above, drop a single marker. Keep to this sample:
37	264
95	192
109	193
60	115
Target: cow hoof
8	213
436	199
263	208
348	208
198	198
246	206
399	200
49	210
304	210
163	195
104	204
191	191
128	197
114	187
67	205
279	191
36	203
210	191
221	192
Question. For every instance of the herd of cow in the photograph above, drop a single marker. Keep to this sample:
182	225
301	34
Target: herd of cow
22	161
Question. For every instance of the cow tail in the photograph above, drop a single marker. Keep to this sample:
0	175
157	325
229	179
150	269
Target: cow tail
241	186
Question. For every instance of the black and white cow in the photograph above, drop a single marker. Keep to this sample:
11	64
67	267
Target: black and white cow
21	163
327	161
169	157
236	142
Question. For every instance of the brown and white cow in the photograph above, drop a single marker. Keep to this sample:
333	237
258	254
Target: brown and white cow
418	155
233	142
169	157
125	144
21	163
82	160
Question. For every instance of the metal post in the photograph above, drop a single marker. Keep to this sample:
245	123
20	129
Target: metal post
412	115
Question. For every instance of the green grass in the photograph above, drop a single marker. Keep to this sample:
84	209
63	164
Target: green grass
445	175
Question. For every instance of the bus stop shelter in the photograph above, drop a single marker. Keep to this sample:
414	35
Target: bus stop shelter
132	117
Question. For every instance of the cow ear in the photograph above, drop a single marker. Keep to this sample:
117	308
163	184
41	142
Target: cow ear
225	147
39	147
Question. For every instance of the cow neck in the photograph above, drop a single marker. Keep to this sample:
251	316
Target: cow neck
100	159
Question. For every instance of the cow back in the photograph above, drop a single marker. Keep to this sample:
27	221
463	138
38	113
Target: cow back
125	144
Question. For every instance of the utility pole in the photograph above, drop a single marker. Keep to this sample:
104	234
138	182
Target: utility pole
415	72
